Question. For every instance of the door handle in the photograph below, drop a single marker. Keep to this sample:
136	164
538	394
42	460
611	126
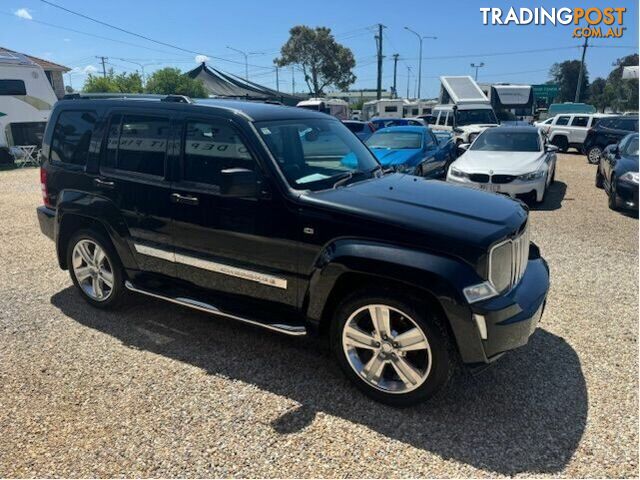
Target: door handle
103	183
185	199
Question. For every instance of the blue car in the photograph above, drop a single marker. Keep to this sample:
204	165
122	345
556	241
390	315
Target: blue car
412	150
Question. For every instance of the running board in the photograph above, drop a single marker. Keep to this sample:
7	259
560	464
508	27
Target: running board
294	330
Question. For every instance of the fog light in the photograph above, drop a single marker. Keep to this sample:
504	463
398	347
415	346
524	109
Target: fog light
482	291
482	325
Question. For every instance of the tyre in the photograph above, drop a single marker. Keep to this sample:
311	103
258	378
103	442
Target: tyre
553	175
544	195
561	142
391	346
599	178
613	195
95	269
593	154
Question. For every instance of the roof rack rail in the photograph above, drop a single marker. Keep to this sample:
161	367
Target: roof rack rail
177	98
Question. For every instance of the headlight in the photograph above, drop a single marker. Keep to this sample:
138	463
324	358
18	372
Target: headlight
404	168
632	177
527	177
454	172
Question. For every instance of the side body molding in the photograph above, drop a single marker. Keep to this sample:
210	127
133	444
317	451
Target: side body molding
442	277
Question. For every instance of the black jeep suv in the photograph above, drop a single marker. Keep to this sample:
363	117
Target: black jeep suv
245	210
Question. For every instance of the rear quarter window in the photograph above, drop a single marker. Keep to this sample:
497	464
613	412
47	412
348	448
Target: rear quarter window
12	87
72	137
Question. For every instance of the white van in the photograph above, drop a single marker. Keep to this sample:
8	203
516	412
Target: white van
26	100
465	121
333	106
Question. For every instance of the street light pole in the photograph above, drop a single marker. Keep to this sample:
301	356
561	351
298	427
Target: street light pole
477	66
246	59
408	80
420	39
135	63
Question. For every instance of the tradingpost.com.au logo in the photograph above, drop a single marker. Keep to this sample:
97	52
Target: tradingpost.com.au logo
589	22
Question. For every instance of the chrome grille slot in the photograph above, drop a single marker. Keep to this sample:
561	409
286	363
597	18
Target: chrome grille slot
518	261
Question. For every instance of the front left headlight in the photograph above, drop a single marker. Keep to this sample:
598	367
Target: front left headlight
631	177
528	177
404	168
454	172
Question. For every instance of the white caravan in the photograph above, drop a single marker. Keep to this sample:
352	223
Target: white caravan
389	108
333	106
26	99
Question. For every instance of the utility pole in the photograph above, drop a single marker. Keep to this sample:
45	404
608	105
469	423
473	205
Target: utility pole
378	38
408	79
581	74
277	81
477	66
104	69
395	73
420	39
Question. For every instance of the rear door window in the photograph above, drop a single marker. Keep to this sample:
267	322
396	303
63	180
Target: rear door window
580	121
137	143
72	136
563	120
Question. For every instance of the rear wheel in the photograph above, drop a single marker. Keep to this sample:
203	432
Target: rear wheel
391	347
95	269
593	154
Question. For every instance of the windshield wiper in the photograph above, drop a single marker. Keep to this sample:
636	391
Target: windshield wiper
344	178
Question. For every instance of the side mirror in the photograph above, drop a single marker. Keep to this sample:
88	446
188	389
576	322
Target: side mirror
464	146
238	182
552	148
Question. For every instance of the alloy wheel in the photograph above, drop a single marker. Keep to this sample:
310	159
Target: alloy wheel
594	155
387	348
92	270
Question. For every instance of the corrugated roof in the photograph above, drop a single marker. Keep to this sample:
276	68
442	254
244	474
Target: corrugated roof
45	64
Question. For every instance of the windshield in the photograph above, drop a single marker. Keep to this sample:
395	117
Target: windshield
631	149
395	140
497	140
314	153
477	116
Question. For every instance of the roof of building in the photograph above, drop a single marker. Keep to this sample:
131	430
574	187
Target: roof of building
45	64
226	85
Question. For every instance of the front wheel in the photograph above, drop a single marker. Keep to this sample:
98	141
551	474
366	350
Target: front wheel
599	182
593	154
613	195
391	347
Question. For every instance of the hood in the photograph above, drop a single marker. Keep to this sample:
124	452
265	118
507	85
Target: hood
388	157
515	163
476	127
427	212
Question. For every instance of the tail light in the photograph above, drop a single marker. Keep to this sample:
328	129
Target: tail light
43	187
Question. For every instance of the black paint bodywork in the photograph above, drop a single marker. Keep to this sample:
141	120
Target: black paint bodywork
424	235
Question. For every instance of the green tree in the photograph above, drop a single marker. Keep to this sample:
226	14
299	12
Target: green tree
112	83
565	75
597	96
324	61
169	81
622	95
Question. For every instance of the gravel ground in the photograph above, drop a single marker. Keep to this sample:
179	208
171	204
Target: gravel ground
156	390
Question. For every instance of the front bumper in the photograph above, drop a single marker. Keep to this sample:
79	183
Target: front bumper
508	320
514	189
628	194
46	219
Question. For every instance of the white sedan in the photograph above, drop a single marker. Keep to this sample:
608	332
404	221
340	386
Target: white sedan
516	161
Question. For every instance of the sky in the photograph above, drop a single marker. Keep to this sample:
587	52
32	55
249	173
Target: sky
514	53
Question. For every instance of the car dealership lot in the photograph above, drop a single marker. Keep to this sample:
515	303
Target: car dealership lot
158	390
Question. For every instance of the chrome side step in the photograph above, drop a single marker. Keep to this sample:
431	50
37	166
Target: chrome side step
294	330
